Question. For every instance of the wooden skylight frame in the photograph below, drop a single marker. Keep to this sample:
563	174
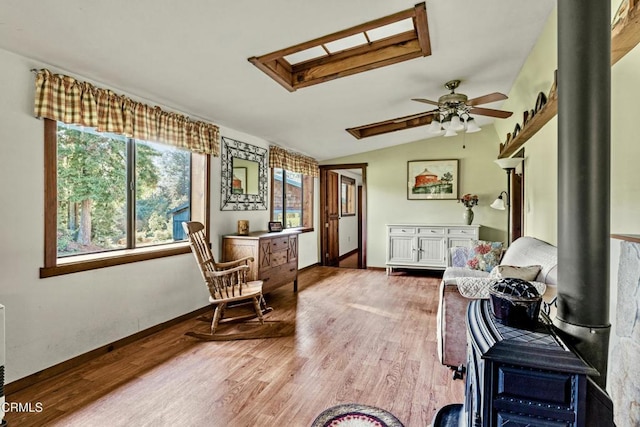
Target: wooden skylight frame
327	64
401	123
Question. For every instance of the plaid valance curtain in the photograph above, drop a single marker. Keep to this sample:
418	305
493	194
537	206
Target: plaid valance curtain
293	162
65	99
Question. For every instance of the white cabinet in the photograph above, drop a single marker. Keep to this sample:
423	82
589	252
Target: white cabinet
425	245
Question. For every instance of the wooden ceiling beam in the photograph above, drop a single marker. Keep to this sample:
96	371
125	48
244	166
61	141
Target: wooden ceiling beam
401	123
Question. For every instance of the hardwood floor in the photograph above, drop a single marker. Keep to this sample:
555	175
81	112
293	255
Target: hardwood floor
349	262
360	337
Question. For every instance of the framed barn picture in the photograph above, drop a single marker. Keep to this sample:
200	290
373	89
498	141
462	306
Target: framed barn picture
432	179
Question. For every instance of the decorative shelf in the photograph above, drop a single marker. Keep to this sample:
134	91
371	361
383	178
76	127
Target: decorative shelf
625	35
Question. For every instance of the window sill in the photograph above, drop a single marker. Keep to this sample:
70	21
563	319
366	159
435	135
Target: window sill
79	263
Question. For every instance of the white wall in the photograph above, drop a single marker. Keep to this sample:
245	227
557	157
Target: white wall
387	187
52	320
541	158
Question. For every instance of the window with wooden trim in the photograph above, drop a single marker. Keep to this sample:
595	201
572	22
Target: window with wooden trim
111	200
384	41
292	199
347	196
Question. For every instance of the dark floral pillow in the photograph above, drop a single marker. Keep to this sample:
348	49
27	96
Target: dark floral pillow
484	255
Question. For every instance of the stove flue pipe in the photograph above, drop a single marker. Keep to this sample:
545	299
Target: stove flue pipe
584	145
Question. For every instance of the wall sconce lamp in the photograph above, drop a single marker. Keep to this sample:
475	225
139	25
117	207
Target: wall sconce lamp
499	203
508	164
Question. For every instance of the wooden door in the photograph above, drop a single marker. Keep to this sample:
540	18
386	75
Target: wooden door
332	219
517	208
517	201
329	194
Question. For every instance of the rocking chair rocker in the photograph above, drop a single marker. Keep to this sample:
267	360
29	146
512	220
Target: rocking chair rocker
227	283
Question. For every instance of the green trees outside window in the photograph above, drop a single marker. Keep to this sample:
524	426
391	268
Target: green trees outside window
114	192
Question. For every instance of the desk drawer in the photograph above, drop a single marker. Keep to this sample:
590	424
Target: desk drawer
278	258
280	275
402	230
471	233
431	231
279	243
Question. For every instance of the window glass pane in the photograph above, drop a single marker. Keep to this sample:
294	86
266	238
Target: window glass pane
162	193
278	195
293	199
91	191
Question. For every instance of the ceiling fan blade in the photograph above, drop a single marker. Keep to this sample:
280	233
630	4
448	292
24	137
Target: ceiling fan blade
501	114
492	97
426	101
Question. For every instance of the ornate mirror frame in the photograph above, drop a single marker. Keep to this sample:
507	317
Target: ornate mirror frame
242	202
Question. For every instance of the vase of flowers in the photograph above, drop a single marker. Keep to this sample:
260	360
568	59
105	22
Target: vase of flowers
469	201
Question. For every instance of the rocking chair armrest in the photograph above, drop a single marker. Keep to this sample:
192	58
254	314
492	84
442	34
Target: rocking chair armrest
227	272
228	264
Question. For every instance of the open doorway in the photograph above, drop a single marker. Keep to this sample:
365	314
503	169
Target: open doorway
343	215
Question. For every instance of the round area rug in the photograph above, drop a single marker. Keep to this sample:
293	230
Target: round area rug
354	415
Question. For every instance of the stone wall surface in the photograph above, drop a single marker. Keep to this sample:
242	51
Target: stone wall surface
624	376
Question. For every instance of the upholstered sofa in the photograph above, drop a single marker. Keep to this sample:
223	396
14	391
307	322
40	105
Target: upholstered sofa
452	307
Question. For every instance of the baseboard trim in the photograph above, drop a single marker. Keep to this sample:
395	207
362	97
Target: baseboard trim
54	370
348	254
377	268
308	267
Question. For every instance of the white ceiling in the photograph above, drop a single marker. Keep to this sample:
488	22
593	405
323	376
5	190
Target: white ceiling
191	55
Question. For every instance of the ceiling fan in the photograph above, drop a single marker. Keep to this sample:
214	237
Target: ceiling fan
454	110
452	115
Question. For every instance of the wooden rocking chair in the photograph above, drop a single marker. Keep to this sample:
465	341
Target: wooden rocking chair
227	283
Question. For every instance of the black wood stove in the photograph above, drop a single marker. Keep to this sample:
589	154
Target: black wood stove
524	377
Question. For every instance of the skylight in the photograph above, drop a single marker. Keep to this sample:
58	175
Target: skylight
384	41
390	29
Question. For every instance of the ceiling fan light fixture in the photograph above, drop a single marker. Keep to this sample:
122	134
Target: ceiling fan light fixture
435	126
456	123
472	127
446	122
450	132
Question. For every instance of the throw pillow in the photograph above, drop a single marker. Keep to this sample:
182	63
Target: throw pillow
459	256
478	287
484	255
528	273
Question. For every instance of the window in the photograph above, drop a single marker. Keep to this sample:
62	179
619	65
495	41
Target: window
292	199
112	199
347	196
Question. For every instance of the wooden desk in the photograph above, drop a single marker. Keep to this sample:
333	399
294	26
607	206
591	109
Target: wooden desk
275	256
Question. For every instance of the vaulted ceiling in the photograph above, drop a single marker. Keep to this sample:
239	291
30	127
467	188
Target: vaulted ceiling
192	56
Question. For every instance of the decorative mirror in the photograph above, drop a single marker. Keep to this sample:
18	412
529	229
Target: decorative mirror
244	176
